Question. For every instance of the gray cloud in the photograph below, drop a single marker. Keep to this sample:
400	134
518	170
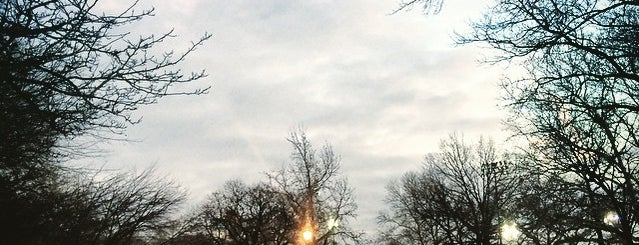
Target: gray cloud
383	90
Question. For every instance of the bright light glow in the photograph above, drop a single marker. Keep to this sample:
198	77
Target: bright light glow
307	235
509	231
332	223
611	218
563	114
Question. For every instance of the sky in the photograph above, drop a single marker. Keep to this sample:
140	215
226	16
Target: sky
382	89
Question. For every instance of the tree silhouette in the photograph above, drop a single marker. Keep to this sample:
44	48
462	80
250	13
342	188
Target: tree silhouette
577	104
462	196
118	208
74	66
318	196
241	214
68	72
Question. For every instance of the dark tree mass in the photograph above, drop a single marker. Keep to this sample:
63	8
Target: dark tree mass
576	105
68	71
462	196
241	214
79	70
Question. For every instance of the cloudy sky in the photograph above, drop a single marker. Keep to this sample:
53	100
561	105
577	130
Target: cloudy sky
382	89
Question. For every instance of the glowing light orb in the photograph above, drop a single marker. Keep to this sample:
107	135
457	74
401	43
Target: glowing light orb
611	218
509	231
307	235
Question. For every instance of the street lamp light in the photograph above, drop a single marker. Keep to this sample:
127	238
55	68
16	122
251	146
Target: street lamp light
307	235
510	232
307	231
611	218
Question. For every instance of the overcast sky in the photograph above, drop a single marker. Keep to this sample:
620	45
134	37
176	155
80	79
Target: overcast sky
382	89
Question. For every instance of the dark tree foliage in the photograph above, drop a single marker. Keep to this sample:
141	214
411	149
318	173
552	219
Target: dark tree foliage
27	159
578	101
553	211
67	71
577	105
462	196
77	69
74	209
242	214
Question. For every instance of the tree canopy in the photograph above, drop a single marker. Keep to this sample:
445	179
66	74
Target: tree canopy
68	71
575	104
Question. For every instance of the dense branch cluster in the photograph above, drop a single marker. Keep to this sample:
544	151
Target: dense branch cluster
462	196
305	195
577	105
67	71
82	71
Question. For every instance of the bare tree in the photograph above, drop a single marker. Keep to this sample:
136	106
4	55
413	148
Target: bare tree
577	104
462	196
241	214
131	206
67	71
320	199
412	203
113	209
79	69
